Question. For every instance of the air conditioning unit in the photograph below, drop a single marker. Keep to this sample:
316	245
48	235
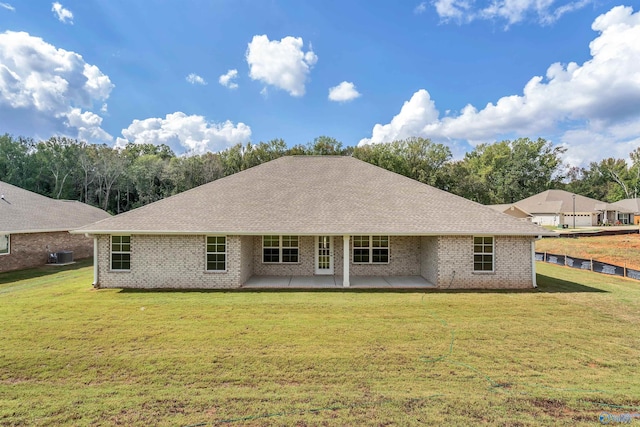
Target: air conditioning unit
62	257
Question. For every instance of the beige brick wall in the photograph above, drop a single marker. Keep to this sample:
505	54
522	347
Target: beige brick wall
246	259
429	258
445	261
304	267
513	267
404	259
171	262
32	249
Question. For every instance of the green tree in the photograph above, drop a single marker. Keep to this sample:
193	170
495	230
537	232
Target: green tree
417	158
149	173
508	171
324	146
58	160
15	164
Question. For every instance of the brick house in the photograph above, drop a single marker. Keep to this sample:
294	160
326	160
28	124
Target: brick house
313	217
33	226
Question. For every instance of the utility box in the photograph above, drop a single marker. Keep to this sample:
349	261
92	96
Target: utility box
62	257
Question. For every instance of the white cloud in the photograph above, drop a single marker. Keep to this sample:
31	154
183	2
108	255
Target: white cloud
280	63
345	91
191	134
226	79
411	120
7	6
510	11
421	8
64	15
592	98
195	79
88	125
452	9
44	89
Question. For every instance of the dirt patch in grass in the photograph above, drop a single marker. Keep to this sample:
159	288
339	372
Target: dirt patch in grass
559	410
618	250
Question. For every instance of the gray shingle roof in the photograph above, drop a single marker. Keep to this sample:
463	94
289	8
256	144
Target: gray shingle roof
505	207
22	211
631	205
560	201
311	195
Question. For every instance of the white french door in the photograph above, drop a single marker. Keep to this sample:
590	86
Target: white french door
324	255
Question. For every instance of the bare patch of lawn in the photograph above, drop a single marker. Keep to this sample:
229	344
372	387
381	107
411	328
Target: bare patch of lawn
616	250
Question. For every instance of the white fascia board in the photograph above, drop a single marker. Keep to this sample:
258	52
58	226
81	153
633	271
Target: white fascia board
297	233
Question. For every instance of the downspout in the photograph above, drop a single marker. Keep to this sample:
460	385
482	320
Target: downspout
533	262
95	262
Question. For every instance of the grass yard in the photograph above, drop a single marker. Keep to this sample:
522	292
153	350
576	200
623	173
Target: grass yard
561	355
612	249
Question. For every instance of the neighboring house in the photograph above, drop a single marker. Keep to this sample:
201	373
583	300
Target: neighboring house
313	215
559	207
33	226
513	211
632	206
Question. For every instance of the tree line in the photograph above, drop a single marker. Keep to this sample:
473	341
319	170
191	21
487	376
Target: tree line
118	180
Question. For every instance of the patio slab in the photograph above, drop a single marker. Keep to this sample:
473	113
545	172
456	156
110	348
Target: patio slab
335	282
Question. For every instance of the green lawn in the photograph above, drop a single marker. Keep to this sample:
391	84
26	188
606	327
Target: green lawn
561	355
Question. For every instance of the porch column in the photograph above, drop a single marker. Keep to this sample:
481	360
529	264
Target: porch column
345	258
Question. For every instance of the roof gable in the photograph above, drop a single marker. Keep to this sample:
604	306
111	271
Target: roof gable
310	195
23	211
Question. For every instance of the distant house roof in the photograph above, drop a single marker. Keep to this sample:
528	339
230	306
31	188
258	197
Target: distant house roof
508	208
631	205
23	211
560	201
312	195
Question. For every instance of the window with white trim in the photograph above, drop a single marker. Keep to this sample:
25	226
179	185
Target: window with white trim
483	253
370	249
280	249
5	240
121	253
216	253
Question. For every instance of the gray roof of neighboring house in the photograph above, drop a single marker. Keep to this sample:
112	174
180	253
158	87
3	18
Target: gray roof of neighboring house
507	206
311	195
23	211
560	201
631	205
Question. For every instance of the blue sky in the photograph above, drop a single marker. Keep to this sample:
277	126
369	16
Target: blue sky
204	75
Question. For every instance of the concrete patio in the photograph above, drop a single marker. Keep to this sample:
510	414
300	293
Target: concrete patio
335	282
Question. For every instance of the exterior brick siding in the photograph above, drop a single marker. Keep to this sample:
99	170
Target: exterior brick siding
444	261
404	259
513	265
171	262
304	267
30	250
429	258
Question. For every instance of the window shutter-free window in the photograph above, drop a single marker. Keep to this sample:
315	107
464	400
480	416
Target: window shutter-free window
120	252
4	243
216	253
280	249
370	249
483	253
